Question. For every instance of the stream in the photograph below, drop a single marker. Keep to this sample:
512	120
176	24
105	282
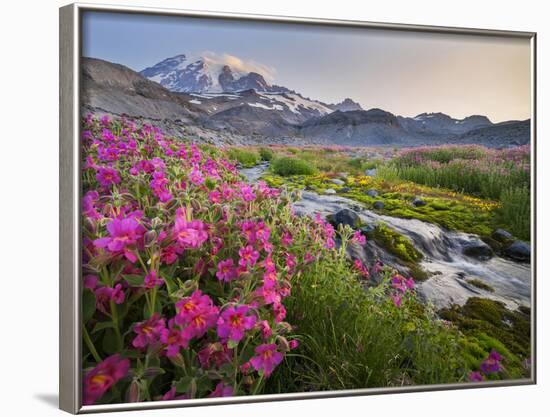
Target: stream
442	250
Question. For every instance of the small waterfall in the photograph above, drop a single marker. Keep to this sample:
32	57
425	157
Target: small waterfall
442	251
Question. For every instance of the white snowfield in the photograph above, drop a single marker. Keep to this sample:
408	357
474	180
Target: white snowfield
294	101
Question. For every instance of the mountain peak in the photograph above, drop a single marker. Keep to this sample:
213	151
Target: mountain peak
346	105
207	73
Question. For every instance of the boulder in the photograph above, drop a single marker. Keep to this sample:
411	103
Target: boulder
346	217
478	250
519	251
344	190
418	202
378	205
337	181
366	230
372	193
330	191
502	236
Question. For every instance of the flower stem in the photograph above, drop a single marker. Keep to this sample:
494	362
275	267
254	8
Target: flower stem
90	344
114	316
153	300
257	387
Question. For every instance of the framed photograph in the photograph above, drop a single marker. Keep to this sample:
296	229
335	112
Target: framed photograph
259	208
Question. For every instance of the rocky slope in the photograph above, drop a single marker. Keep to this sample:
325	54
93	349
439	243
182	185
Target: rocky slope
214	103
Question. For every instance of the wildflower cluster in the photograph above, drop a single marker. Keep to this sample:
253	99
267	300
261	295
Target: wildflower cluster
491	365
186	268
401	286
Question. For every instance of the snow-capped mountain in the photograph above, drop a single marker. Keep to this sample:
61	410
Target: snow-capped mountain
292	106
250	114
206	74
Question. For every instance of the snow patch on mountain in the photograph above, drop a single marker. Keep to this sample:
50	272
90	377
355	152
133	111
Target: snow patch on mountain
212	73
294	101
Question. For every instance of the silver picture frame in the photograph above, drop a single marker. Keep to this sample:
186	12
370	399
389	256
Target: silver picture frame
70	371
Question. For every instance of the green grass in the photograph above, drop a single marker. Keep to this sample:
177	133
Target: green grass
458	178
245	157
516	211
356	338
288	166
476	171
266	154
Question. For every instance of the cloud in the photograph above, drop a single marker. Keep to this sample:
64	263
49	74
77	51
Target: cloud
240	65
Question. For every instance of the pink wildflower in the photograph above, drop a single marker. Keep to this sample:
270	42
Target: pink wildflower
280	312
196	176
265	329
267	358
123	235
248	256
286	239
214	354
492	363
226	270
234	321
475	376
222	391
173	338
171	395
396	298
107	176
247	194
100	379
359	238
190	234
293	344
152	280
196	314
148	332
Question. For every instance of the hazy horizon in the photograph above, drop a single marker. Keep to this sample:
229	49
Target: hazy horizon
406	73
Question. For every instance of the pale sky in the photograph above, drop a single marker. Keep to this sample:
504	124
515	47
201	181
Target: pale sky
406	73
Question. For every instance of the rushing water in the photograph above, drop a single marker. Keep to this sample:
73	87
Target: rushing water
442	252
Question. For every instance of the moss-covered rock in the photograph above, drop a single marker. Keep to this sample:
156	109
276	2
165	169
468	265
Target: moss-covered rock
396	243
481	315
480	284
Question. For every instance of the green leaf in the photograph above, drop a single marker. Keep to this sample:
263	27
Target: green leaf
88	305
204	384
122	311
183	385
134	280
231	344
102	326
109	342
170	284
153	371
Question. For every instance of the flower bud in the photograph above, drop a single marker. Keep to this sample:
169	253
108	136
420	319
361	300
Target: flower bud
178	360
190	285
283	327
156	222
282	343
149	238
133	394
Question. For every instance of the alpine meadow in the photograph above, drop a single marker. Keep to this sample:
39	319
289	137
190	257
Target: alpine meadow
266	216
